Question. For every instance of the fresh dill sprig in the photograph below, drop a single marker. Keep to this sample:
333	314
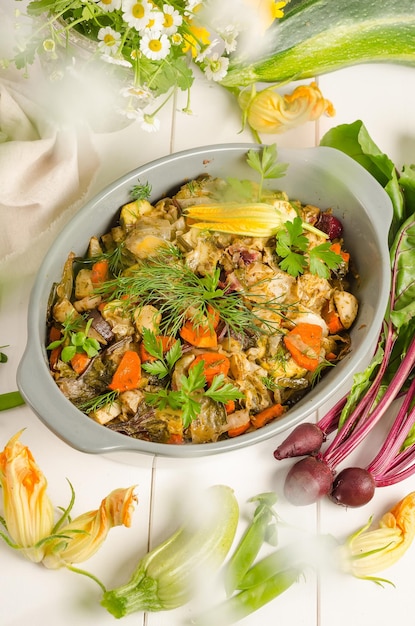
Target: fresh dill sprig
166	282
141	191
98	402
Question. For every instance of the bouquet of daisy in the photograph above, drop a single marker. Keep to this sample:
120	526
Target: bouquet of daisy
154	45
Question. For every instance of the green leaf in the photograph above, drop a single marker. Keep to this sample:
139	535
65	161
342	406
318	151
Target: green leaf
403	311
153	345
156	368
322	259
265	162
68	353
355	141
223	392
294	264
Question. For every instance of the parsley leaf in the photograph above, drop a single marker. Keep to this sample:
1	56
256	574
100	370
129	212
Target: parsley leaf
323	259
292	246
165	363
266	164
192	389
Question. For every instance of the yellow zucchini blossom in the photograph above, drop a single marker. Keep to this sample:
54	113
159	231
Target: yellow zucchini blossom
78	540
268	111
369	551
28	511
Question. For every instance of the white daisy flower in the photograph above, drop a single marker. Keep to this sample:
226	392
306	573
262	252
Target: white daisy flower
230	36
108	39
176	39
139	94
49	45
191	5
171	19
206	52
109	5
136	12
131	113
216	67
150	123
155	45
155	21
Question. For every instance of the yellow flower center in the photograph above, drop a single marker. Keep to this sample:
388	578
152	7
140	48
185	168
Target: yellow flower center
109	40
155	45
138	10
106	2
168	20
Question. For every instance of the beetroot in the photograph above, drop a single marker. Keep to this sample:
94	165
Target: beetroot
307	481
330	225
306	438
353	486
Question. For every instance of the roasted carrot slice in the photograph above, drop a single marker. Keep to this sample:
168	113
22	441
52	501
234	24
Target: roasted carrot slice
214	364
336	247
99	272
128	373
239	430
304	344
199	336
267	415
333	322
79	362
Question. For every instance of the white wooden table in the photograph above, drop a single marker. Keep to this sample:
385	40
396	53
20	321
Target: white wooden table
383	96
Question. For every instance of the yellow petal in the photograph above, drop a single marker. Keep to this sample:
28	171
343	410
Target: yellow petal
270	112
369	552
28	512
266	10
83	536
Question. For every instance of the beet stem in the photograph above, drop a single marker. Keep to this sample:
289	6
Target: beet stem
335	454
330	421
396	436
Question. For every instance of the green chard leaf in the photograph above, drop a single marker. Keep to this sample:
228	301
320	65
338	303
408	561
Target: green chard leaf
355	141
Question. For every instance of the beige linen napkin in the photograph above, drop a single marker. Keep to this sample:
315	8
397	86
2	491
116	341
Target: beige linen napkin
46	169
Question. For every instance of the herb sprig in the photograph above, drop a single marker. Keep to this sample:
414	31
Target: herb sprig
165	363
78	339
165	281
265	162
192	390
293	247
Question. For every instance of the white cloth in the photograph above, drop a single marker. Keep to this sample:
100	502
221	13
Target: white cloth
46	169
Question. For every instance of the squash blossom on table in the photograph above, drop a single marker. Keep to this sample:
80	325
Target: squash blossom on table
268	111
371	550
29	513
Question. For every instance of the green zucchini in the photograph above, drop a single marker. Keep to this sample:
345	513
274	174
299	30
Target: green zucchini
319	36
164	578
